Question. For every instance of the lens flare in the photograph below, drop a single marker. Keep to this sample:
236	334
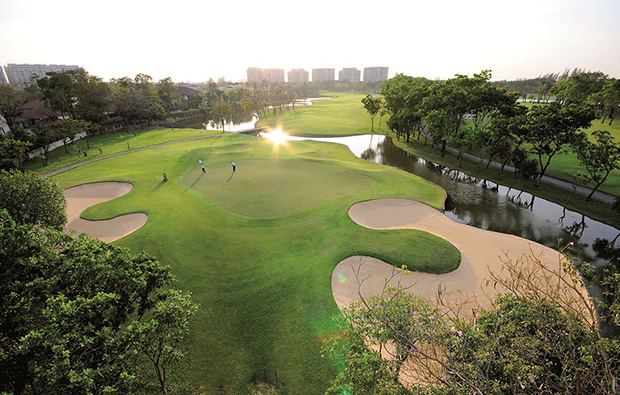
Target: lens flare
342	278
276	136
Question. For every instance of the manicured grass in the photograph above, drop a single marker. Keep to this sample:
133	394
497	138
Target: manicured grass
112	143
341	115
262	276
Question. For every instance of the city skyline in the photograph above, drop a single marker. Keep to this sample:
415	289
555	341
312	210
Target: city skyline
194	41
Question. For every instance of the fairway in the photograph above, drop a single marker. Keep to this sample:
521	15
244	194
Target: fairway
257	248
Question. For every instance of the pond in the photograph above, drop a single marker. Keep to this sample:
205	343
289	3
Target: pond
487	205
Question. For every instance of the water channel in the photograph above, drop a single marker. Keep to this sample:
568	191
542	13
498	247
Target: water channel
487	205
477	202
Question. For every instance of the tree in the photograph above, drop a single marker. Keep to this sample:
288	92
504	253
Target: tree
579	86
92	96
161	336
10	100
77	93
221	111
540	335
67	129
599	158
72	309
168	93
553	128
58	89
30	199
137	99
12	148
608	98
372	105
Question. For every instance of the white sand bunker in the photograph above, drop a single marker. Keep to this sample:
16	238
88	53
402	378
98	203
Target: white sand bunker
81	197
480	252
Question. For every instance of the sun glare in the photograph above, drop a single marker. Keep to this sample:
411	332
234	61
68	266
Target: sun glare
276	136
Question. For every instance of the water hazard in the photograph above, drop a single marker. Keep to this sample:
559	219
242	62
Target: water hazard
487	205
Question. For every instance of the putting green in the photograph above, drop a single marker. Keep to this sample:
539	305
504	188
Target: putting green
273	188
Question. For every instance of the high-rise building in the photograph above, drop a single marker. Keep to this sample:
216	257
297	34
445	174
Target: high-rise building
375	74
323	74
23	75
255	74
3	79
273	75
349	74
298	75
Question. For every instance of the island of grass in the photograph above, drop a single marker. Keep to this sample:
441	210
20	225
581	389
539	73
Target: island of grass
257	247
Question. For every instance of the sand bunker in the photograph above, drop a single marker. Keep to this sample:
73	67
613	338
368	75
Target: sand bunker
480	252
81	197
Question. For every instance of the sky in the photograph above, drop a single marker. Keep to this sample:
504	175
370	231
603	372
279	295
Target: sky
195	40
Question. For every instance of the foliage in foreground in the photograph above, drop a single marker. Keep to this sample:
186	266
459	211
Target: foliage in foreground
540	336
77	314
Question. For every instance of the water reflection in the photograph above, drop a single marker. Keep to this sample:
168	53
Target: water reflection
487	205
238	122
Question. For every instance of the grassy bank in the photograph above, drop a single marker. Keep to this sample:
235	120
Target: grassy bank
257	247
112	143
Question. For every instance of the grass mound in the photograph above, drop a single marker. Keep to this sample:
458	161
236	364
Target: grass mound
272	188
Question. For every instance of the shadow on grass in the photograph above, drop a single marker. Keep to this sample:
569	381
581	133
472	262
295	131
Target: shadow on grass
232	173
197	179
159	185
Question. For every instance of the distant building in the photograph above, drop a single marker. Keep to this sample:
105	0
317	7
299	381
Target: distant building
3	80
349	74
22	75
4	127
273	75
323	74
255	74
298	75
375	74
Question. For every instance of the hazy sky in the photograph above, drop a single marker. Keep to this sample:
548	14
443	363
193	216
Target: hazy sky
196	40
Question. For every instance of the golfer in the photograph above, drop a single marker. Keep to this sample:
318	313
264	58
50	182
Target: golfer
233	165
202	166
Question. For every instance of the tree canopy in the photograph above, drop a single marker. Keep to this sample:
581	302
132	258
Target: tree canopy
30	199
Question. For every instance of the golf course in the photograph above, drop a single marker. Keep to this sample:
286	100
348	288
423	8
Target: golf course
270	249
257	247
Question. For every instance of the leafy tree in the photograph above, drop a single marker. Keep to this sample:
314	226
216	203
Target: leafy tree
168	93
372	105
92	95
507	135
45	135
67	129
540	336
221	111
12	148
10	100
553	128
579	86
72	311
608	98
77	93
58	89
31	199
137	99
438	124
599	158
161	336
